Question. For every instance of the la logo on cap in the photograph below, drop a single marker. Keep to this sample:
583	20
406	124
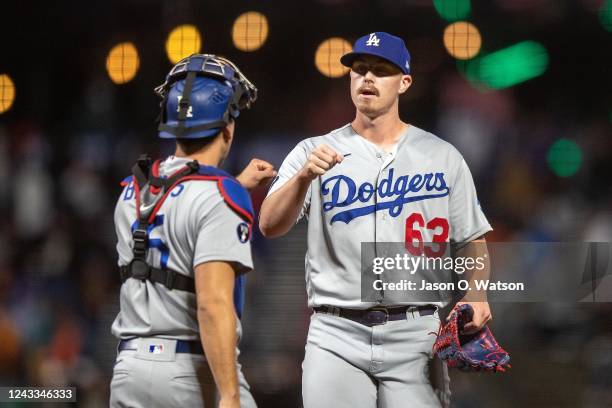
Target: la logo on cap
373	40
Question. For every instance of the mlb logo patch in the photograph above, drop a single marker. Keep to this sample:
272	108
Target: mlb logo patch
243	232
156	348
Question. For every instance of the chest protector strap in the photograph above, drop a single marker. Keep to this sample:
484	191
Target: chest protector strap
151	191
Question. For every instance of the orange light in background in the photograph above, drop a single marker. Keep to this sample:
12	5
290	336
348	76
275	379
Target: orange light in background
122	63
327	57
250	31
183	41
7	93
462	40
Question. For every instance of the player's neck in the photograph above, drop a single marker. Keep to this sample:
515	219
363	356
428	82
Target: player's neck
206	157
384	130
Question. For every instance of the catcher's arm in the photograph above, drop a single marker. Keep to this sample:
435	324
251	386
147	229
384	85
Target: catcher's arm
474	297
256	173
214	283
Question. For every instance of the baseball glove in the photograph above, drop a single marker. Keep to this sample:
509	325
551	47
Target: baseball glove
474	352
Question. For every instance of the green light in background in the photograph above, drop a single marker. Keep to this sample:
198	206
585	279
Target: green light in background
564	158
605	15
453	10
507	67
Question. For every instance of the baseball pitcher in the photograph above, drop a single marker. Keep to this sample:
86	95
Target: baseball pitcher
376	179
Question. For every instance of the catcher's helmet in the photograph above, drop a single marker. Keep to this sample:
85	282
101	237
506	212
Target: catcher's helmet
201	94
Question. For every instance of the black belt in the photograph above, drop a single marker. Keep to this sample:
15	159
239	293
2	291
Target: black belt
182	346
376	315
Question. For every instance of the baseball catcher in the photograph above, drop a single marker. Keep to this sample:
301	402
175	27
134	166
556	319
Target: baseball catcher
183	230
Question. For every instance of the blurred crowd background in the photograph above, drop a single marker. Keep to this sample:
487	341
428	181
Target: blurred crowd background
540	150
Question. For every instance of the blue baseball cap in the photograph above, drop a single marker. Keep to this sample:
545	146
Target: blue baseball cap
383	45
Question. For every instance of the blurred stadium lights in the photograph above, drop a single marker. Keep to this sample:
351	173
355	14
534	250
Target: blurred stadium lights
183	41
250	31
564	157
327	57
122	63
453	10
462	40
605	15
7	93
507	67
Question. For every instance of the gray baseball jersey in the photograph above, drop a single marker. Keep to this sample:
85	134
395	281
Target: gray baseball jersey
375	196
194	225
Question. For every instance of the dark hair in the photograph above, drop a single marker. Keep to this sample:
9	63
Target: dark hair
191	146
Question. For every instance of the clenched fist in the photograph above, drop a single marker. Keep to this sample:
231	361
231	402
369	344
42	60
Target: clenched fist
320	161
256	173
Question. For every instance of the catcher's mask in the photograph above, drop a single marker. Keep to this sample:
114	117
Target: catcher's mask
202	94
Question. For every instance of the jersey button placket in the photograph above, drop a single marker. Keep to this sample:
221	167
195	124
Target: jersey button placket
381	251
378	215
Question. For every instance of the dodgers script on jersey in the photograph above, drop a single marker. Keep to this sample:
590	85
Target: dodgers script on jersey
194	225
378	196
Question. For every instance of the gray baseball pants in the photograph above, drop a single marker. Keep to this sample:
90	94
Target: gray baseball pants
350	365
142	379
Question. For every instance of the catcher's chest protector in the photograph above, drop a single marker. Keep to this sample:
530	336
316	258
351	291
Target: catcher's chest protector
151	191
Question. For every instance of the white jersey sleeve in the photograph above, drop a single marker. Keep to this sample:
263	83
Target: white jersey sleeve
222	235
292	164
467	220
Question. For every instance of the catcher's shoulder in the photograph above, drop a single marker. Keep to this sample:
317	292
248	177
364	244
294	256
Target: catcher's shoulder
214	187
